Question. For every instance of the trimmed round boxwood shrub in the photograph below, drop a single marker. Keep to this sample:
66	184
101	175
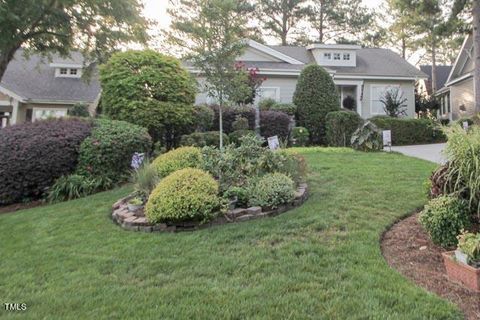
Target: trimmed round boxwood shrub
107	152
274	123
272	190
443	218
299	136
185	195
410	131
202	139
181	158
229	116
266	104
288	108
315	96
340	126
149	89
34	155
235	136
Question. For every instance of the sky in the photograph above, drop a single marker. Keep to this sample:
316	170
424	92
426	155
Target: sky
157	10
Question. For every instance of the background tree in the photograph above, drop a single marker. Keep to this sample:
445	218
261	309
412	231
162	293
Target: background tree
473	8
315	96
401	35
96	27
338	18
211	33
280	17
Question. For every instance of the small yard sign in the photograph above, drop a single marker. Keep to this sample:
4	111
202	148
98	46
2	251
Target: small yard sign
387	138
465	125
273	143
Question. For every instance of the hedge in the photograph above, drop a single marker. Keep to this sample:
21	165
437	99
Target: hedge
108	152
202	139
34	155
274	123
410	131
229	115
340	126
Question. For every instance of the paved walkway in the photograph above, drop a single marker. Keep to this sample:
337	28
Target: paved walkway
430	152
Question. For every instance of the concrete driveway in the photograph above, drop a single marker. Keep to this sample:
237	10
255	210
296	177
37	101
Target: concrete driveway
430	152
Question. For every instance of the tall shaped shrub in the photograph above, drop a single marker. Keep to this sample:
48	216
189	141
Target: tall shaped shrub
149	89
315	96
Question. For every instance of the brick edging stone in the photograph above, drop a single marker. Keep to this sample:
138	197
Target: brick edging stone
136	221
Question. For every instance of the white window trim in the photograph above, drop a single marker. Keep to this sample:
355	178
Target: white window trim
346	55
58	74
371	96
339	56
277	92
47	109
329	57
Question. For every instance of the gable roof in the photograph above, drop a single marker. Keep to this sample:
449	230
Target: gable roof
442	75
272	52
371	62
34	80
458	73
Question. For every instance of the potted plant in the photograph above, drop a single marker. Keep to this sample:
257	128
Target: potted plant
134	204
463	264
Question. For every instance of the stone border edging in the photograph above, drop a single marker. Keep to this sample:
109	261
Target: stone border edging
136	221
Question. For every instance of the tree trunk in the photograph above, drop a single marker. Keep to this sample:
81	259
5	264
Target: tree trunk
476	44
5	57
434	67
220	120
404	48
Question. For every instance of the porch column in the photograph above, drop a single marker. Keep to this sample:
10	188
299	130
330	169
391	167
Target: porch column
15	110
359	102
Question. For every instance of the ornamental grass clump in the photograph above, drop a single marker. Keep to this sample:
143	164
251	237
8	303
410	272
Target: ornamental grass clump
463	154
181	158
444	218
185	195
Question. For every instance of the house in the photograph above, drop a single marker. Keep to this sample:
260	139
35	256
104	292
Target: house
38	88
442	73
363	74
457	96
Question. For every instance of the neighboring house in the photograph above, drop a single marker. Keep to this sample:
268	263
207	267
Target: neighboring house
442	73
457	96
38	88
361	73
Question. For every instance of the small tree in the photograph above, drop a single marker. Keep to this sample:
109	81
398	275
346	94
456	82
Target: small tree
214	29
149	89
315	96
394	103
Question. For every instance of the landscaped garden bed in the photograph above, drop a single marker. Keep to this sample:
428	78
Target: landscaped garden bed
136	220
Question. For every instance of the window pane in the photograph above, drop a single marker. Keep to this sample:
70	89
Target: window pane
346	56
336	56
73	71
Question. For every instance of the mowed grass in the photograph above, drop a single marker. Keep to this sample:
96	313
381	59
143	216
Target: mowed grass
320	261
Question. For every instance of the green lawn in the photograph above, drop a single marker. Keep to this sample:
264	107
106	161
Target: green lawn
322	261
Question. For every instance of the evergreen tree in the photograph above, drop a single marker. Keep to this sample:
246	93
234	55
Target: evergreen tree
315	96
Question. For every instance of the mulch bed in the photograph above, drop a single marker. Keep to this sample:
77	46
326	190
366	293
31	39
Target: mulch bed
408	249
20	206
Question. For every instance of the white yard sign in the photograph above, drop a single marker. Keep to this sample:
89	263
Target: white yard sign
273	143
387	138
465	125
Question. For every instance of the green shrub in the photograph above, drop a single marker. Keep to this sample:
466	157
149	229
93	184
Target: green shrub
185	195
79	110
107	152
272	190
202	139
367	138
410	131
315	96
340	126
242	194
283	161
274	123
230	114
266	104
151	90
469	244
76	186
203	117
288	108
240	123
145	179
299	136
181	158
235	136
444	218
